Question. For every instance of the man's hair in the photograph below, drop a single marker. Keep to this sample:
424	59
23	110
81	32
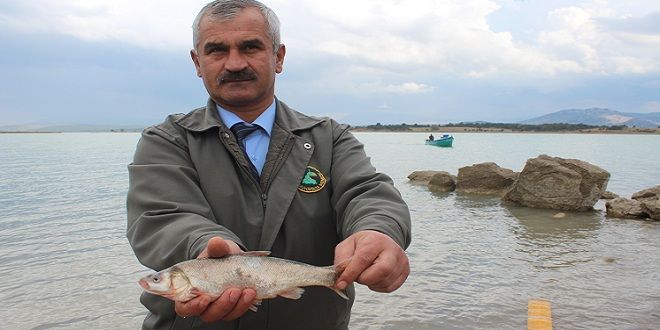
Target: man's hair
225	10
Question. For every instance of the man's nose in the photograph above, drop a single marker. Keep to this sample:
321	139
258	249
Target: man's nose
235	61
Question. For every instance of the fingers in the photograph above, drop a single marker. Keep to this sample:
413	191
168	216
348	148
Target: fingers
218	247
246	300
376	261
344	251
387	274
192	307
232	304
362	259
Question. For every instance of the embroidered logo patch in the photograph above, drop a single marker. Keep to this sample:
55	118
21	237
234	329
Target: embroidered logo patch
313	181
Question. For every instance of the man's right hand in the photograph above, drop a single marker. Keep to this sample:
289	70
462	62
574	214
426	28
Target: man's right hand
233	302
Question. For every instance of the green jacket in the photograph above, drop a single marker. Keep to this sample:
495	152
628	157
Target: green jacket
189	181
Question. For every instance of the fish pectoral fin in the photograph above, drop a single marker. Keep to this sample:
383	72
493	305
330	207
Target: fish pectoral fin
294	293
255	304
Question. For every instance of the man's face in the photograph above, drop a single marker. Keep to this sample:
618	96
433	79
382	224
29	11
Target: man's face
237	63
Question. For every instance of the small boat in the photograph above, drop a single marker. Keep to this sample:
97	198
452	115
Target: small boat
444	141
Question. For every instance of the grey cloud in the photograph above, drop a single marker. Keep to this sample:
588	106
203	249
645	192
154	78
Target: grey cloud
648	24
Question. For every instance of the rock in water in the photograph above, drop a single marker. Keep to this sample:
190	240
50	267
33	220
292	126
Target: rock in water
558	183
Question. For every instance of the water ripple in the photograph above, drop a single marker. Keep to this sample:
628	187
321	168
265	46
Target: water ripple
474	262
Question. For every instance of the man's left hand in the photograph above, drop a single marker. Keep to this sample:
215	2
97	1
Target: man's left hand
376	261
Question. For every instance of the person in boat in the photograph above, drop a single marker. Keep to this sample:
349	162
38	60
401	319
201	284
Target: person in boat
431	138
247	172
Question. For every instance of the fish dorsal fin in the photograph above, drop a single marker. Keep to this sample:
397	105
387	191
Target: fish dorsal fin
255	253
293	293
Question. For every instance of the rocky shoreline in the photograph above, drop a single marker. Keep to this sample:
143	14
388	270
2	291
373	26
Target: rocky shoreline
545	182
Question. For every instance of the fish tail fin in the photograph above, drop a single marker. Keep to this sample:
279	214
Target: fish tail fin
337	270
341	293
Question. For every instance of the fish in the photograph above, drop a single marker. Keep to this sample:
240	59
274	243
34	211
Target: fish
268	276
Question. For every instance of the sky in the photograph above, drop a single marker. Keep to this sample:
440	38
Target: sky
125	62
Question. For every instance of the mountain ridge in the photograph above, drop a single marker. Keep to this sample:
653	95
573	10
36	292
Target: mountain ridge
598	117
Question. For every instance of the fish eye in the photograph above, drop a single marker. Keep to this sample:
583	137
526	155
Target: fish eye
156	278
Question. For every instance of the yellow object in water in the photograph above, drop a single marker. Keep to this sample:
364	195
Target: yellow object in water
539	315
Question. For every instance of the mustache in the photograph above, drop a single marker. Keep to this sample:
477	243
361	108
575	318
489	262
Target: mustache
230	76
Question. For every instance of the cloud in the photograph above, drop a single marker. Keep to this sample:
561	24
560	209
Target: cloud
163	25
397	36
456	38
452	60
403	88
579	35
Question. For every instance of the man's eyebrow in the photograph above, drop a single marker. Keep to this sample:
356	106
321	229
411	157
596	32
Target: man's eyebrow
213	45
252	42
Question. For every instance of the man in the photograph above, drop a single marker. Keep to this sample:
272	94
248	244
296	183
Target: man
302	188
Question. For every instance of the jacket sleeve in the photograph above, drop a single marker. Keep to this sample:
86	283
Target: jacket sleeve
169	218
365	199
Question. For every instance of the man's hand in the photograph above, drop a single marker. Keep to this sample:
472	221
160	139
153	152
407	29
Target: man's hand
231	304
376	261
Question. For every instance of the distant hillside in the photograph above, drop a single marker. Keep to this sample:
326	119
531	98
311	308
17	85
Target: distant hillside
598	117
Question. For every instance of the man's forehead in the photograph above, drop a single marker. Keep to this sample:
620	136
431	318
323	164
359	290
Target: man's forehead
235	29
223	39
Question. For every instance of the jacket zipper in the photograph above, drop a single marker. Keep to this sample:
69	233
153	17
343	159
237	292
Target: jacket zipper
237	155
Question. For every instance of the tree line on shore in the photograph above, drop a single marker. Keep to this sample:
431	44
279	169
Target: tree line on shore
555	127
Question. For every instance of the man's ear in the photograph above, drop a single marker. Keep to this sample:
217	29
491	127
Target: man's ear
279	64
195	59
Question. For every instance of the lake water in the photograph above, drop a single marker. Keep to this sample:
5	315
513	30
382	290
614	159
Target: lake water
66	264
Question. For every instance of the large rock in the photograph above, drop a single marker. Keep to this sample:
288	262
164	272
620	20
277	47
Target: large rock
442	182
652	209
647	194
421	177
650	200
609	195
558	183
484	179
624	208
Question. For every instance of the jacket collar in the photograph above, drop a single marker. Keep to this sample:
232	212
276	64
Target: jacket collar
292	120
201	119
205	118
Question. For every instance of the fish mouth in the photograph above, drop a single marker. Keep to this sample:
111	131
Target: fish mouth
144	284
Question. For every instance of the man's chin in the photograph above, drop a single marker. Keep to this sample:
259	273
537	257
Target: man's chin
238	101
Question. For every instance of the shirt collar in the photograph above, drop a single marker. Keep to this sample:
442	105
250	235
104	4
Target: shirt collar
265	120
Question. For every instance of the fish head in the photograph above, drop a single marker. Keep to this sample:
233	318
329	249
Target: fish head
169	283
157	283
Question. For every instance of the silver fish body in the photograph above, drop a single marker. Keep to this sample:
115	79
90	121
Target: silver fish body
268	276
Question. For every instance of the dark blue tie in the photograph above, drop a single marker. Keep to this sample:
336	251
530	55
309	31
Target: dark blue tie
241	131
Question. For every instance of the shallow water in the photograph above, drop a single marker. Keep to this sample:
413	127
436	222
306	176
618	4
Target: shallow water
66	262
